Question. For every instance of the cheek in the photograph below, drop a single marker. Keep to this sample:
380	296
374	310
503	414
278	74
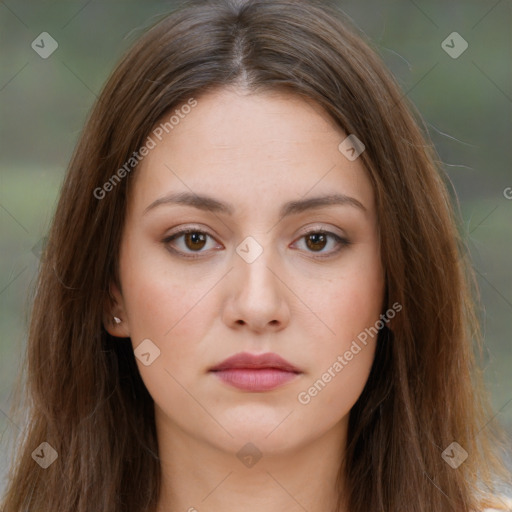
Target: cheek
159	300
360	292
170	310
349	302
161	308
350	305
343	360
327	400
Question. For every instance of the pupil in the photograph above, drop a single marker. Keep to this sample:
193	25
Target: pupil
195	238
316	238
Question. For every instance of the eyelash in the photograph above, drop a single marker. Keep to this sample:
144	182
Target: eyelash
342	242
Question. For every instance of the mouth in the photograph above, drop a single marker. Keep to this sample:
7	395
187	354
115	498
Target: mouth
256	373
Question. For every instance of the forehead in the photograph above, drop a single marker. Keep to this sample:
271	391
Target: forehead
249	148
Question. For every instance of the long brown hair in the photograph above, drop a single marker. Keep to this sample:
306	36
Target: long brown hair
84	394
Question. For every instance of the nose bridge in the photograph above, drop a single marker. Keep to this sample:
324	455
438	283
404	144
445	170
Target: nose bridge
255	259
256	292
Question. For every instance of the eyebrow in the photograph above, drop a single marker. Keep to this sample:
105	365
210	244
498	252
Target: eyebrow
210	204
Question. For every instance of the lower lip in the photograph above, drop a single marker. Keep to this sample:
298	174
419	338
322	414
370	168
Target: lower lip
249	379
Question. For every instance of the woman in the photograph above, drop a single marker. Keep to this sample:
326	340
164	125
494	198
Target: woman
254	294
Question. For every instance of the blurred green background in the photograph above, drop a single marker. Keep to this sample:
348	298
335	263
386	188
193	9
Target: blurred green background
466	103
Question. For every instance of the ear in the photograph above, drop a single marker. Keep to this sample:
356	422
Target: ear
115	319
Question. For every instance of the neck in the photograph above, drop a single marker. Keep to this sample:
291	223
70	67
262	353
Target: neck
198	476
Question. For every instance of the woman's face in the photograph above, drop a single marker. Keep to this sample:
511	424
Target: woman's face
255	276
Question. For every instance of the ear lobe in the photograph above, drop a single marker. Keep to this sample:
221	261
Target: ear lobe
119	330
114	316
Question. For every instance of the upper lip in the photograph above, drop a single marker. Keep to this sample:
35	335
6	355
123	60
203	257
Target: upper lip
257	361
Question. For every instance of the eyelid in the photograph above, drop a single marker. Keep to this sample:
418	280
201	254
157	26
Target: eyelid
319	228
190	228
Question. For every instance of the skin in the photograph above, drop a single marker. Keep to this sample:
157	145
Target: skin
200	311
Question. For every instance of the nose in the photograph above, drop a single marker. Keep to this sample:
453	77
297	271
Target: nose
256	295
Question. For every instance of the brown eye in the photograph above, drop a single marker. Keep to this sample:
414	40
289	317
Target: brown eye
316	241
187	242
195	240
